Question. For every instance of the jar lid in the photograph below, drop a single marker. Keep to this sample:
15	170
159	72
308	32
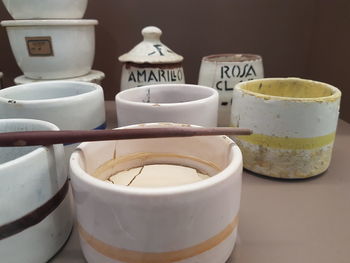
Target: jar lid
151	49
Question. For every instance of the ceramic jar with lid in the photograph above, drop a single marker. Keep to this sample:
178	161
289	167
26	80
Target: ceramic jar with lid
151	62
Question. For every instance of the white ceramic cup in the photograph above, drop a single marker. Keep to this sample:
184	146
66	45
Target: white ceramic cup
36	217
70	105
179	103
52	49
223	71
293	121
46	9
188	223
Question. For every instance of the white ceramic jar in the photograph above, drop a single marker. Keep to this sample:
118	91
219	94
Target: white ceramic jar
223	71
179	103
68	104
52	49
151	62
36	214
189	223
294	123
94	76
46	9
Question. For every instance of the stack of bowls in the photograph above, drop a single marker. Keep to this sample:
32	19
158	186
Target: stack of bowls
50	41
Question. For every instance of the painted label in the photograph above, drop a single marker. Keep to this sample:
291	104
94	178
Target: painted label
223	76
160	50
39	46
227	76
136	77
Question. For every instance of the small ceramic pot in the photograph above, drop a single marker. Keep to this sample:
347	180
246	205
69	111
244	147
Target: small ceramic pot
46	9
180	103
222	72
151	62
189	223
294	123
68	104
94	76
36	214
52	49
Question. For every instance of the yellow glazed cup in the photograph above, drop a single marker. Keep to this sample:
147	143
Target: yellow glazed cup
294	123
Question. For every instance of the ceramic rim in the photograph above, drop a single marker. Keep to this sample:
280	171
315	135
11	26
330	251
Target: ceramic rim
232	57
71	98
336	93
119	96
46	22
234	165
92	75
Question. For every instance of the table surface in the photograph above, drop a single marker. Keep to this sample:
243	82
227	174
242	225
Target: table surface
282	221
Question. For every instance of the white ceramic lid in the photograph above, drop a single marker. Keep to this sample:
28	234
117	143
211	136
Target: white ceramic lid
47	22
92	75
1	74
151	50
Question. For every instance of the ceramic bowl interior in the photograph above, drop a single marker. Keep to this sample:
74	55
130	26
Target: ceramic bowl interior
101	160
11	125
47	90
11	153
290	88
166	94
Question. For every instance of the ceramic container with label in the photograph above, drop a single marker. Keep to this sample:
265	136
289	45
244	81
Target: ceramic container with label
94	76
36	215
223	71
195	222
71	105
46	9
151	62
180	103
52	49
294	123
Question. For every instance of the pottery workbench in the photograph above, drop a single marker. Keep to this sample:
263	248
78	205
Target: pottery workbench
282	221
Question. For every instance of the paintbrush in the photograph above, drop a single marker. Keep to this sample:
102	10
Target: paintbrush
31	138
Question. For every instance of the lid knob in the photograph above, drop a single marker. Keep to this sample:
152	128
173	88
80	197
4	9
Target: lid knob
151	33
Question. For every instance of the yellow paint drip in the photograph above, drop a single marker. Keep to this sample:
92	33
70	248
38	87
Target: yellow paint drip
289	143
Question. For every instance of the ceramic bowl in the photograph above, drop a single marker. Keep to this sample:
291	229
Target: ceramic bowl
294	123
46	9
223	71
68	104
188	223
180	103
94	76
36	217
52	49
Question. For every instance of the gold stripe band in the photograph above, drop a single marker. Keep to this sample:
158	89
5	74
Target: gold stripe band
131	256
289	143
